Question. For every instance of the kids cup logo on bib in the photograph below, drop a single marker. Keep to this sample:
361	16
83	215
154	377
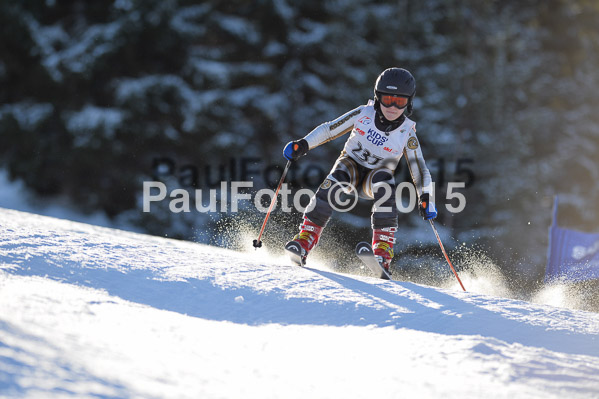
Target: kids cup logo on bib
376	138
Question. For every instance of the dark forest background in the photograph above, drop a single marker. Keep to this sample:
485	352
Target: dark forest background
99	96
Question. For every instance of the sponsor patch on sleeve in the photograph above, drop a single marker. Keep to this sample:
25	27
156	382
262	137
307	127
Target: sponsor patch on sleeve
412	143
345	119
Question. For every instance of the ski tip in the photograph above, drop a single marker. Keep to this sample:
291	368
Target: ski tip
294	249
293	246
363	247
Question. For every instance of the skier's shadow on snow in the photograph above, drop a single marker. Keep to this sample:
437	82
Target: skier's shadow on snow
446	314
387	304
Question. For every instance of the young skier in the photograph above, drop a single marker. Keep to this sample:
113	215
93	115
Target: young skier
381	133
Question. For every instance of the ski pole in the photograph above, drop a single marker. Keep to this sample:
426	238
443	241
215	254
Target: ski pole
445	253
273	201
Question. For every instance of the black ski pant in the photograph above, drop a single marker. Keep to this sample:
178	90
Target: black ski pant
376	184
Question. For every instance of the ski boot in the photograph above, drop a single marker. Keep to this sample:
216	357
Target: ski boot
303	242
382	246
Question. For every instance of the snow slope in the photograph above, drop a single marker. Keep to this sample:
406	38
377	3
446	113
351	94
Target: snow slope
87	311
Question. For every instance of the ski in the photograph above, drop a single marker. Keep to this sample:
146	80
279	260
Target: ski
366	254
295	250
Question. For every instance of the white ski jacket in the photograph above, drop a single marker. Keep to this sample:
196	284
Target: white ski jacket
373	148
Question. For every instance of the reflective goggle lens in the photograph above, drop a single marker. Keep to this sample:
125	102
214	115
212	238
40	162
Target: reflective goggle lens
399	102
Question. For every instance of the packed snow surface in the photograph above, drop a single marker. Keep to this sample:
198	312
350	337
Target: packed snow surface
87	311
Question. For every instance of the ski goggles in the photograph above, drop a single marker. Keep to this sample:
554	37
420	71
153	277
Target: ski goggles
393	101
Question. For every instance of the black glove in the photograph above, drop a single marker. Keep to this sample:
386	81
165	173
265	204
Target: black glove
426	208
296	149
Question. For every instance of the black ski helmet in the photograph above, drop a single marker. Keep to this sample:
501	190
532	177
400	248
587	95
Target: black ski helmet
397	82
